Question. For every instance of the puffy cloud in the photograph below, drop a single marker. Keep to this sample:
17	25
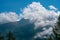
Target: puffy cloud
52	7
41	17
38	14
8	17
44	33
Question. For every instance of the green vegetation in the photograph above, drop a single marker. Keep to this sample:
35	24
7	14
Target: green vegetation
56	31
1	36
10	36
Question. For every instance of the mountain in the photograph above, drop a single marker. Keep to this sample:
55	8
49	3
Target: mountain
22	29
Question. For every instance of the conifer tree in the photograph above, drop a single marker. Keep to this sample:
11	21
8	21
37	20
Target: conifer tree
10	36
1	37
56	30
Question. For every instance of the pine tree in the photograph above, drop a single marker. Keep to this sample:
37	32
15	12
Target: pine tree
10	36
50	38
56	30
1	37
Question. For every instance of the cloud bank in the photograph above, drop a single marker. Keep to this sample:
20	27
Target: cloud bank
41	16
8	17
37	14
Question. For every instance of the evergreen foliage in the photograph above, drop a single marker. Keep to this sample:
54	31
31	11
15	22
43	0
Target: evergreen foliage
1	36
56	30
10	36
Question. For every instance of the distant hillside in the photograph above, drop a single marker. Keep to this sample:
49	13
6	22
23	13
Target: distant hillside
22	29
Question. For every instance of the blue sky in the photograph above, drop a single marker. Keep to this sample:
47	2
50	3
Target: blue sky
16	5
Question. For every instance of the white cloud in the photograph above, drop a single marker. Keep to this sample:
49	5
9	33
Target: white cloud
38	14
52	7
44	33
8	17
41	16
